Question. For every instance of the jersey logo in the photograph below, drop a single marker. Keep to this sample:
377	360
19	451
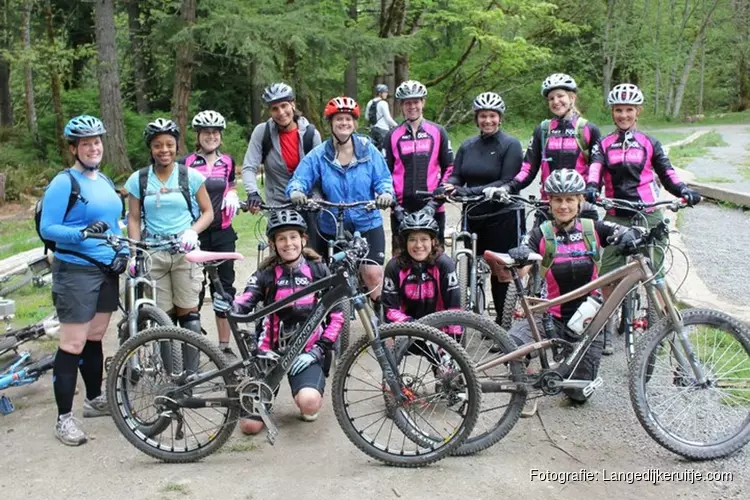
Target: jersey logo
452	279
388	285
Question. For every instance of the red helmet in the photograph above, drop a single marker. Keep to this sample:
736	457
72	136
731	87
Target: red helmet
341	104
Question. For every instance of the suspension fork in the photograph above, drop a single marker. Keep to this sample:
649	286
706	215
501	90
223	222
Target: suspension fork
387	363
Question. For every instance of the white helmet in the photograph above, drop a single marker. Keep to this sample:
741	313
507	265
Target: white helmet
209	119
558	81
489	101
411	89
625	93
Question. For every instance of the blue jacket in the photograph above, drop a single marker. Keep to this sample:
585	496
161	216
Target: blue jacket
364	179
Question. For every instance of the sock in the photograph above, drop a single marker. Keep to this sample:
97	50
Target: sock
92	368
223	345
64	375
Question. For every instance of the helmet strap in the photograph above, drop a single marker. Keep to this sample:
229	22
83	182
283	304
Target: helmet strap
338	141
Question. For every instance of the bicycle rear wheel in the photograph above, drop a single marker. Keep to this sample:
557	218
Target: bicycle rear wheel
190	433
697	421
437	408
500	410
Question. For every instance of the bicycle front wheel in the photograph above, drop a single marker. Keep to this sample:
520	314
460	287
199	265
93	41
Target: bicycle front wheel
436	410
697	420
147	394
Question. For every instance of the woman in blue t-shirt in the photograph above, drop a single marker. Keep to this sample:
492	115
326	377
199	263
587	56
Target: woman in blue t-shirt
165	209
84	291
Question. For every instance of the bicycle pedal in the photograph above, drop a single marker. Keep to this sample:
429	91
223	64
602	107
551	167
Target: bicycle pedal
270	423
6	405
589	389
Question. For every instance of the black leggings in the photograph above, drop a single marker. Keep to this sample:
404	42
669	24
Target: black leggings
222	240
498	234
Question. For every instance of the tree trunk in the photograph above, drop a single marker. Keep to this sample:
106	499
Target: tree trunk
680	90
401	68
256	104
657	68
609	52
6	41
350	76
183	77
28	82
702	76
108	74
137	44
54	76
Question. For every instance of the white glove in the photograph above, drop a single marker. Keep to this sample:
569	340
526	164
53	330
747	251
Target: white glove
189	240
495	192
298	198
231	204
384	201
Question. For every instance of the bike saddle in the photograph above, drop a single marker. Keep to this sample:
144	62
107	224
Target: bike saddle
506	260
200	256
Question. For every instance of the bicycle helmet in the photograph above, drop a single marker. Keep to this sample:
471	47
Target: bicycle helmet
284	219
625	93
489	101
83	126
380	88
418	221
209	119
158	127
564	181
277	92
411	89
342	104
558	81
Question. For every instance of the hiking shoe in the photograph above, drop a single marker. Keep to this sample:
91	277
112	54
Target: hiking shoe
97	407
309	418
608	349
529	408
68	430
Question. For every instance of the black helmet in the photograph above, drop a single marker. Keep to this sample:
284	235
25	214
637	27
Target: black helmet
418	221
158	127
277	92
284	219
564	181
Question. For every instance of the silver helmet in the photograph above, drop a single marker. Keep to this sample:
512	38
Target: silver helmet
564	181
411	89
625	93
209	119
277	92
489	101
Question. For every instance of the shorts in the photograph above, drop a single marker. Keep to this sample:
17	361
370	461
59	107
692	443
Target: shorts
376	239
312	377
79	292
612	259
222	240
178	282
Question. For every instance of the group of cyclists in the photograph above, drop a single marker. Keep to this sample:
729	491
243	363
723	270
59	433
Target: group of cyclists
194	199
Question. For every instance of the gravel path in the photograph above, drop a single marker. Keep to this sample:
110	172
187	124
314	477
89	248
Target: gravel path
730	162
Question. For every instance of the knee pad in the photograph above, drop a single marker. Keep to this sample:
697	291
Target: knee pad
191	321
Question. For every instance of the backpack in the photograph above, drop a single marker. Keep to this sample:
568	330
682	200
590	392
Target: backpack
580	125
550	245
372	112
182	182
307	140
75	195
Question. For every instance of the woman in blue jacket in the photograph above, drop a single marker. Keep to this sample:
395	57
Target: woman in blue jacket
83	291
348	168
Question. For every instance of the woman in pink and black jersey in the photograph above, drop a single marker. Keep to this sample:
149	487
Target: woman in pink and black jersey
565	141
218	169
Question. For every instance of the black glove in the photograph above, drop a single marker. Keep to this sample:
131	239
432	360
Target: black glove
591	193
439	191
692	197
520	254
254	200
461	191
628	240
97	227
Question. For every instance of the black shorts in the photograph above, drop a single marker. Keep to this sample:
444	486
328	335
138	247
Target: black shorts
376	239
79	292
222	240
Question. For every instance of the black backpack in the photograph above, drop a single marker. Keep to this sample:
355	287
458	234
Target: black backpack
75	195
182	182
307	140
372	112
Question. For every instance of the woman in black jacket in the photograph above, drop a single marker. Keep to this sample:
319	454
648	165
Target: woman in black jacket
490	159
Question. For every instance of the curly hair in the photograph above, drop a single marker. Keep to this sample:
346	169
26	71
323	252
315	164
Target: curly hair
404	259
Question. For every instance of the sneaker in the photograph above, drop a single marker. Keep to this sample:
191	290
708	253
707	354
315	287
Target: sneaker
97	407
68	430
529	409
309	418
228	352
608	349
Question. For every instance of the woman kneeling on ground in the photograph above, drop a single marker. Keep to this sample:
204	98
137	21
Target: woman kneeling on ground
571	247
287	270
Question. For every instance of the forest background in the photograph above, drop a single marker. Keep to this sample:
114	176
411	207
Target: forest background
129	61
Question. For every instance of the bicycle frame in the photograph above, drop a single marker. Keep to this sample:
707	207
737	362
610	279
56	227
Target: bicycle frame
636	271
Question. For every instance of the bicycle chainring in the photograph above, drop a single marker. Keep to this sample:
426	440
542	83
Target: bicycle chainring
545	380
252	392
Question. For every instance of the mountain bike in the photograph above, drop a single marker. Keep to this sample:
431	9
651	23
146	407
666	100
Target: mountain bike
22	368
691	370
391	421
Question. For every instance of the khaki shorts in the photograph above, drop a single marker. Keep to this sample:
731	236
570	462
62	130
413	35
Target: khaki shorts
612	260
178	282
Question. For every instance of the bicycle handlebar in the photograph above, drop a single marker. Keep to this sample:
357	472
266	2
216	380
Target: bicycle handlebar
640	206
440	193
118	242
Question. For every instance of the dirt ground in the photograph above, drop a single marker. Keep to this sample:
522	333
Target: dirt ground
313	461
